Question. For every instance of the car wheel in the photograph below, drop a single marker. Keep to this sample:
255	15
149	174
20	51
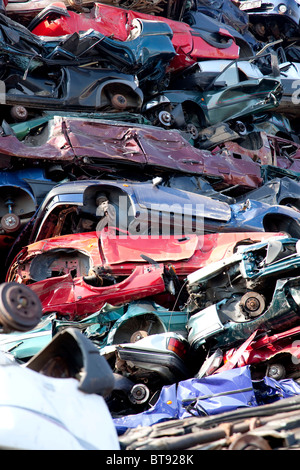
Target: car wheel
20	307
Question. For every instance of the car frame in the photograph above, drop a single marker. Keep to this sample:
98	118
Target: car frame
252	305
145	209
221	93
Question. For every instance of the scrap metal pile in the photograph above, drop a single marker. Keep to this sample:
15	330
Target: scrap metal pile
150	224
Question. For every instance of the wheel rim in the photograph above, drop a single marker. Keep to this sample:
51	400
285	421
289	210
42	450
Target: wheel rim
10	223
253	304
137	335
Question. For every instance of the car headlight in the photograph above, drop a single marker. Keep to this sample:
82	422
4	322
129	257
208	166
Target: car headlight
282	8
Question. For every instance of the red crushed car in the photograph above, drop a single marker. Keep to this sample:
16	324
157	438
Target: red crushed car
190	45
276	355
75	275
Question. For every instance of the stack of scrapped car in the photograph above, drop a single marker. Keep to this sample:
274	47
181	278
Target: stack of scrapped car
150	196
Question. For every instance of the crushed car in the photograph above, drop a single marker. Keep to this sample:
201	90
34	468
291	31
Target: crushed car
80	268
269	150
228	13
112	324
28	9
149	224
69	147
87	71
109	326
258	288
21	192
141	368
20	308
276	20
68	371
274	355
282	191
211	41
145	209
213	92
248	137
259	423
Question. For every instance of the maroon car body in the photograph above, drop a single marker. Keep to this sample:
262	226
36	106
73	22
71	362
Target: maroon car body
274	150
96	144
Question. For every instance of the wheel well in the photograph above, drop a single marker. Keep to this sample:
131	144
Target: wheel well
281	223
284	135
193	111
148	322
24	203
291	202
290	363
130	98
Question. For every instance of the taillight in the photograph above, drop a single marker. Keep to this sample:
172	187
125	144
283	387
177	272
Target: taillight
177	346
